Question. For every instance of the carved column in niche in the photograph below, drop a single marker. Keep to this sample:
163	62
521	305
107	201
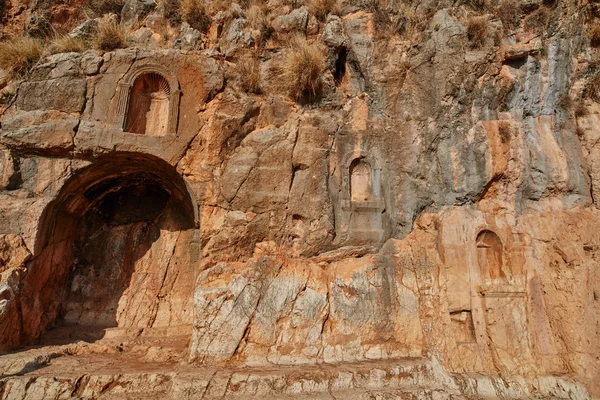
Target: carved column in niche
157	117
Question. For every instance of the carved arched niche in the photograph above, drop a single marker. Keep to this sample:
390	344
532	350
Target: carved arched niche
148	102
490	257
362	202
361	180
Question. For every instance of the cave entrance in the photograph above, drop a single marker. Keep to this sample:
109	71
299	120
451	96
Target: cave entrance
118	248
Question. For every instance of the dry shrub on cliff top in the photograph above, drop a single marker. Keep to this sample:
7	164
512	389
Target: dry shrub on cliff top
477	31
110	35
18	54
66	44
194	13
302	70
509	12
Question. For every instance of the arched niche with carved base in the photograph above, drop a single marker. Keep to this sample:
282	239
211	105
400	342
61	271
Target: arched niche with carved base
148	101
362	200
361	180
490	257
117	248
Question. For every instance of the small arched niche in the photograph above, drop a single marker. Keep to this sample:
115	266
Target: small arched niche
361	180
148	108
490	256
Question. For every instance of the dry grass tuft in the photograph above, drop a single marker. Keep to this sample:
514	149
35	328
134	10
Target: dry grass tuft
509	12
110	35
194	13
257	20
595	35
537	21
477	5
247	73
302	70
19	54
257	17
477	31
66	44
322	8
101	7
171	11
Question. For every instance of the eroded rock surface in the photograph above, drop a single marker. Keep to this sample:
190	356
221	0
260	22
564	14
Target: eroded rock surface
427	228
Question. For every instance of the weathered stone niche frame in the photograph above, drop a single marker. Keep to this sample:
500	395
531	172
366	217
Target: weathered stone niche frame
377	202
123	95
364	217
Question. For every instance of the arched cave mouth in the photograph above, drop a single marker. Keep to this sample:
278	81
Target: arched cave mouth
117	249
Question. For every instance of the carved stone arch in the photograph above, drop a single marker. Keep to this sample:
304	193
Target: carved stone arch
125	89
352	159
490	256
127	217
362	201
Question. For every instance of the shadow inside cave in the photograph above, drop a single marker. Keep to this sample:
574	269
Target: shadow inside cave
117	256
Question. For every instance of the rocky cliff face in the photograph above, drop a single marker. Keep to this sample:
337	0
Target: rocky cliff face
425	212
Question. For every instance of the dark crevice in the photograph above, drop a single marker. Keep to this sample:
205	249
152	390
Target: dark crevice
340	65
16	180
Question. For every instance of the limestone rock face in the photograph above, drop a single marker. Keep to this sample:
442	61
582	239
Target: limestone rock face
426	227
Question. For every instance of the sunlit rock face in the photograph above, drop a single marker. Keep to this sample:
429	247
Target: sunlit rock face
428	223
